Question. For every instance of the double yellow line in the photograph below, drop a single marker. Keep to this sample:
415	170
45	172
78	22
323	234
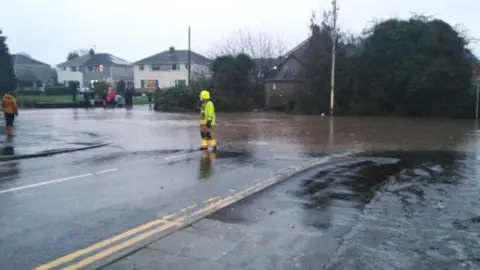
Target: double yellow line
156	226
147	231
72	256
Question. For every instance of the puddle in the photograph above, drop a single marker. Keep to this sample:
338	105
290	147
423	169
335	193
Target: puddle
131	155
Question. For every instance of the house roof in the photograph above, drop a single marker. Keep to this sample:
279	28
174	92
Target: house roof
266	62
95	60
287	70
21	59
293	61
290	64
33	72
173	56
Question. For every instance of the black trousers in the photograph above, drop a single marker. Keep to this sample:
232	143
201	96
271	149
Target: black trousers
129	99
9	118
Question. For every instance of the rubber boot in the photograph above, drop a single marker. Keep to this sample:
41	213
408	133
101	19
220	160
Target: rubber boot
10	131
204	145
213	144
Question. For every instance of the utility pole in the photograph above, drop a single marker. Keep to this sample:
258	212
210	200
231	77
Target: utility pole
334	47
476	103
189	58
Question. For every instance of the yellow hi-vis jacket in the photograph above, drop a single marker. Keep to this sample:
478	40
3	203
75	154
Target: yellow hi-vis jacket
207	112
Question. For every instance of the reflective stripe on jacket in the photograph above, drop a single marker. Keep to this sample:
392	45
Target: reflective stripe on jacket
9	104
207	113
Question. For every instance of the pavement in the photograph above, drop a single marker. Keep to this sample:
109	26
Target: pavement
281	193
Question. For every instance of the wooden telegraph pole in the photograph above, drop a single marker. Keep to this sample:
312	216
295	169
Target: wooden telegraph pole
189	58
334	47
476	77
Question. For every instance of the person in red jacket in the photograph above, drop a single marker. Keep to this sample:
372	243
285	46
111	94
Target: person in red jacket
10	111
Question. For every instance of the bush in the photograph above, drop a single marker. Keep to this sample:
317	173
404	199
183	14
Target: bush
100	88
29	93
187	98
176	98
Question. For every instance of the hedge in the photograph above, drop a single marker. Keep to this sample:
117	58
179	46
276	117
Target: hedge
29	93
58	90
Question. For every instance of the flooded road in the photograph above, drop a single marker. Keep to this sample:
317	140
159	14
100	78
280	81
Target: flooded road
405	194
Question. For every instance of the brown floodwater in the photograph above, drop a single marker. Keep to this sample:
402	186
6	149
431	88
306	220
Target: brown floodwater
275	131
333	134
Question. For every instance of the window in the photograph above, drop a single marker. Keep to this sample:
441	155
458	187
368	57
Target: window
93	68
149	84
73	69
186	66
63	68
180	83
175	67
141	67
155	68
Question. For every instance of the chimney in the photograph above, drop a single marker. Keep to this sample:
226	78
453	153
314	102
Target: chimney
171	50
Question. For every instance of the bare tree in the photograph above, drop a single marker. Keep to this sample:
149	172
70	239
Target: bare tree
256	44
264	48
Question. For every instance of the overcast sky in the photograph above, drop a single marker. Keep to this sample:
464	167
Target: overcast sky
49	29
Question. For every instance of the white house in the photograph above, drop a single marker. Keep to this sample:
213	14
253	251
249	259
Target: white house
169	69
89	68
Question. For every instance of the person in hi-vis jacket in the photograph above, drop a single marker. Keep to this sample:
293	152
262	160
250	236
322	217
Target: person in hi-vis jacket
207	121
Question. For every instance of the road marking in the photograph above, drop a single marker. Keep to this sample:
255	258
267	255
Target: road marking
99	245
57	181
109	251
104	253
148	231
188	207
212	199
177	156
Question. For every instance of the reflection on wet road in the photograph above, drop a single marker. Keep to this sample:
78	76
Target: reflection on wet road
385	208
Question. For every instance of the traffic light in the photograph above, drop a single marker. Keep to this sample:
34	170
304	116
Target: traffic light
100	68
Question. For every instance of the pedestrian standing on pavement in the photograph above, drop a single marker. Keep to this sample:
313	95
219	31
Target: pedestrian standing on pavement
150	97
10	111
86	99
129	96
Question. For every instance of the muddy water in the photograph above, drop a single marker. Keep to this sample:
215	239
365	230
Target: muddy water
324	134
290	133
408	198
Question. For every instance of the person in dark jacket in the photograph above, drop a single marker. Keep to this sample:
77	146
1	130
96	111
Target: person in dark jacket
150	98
129	96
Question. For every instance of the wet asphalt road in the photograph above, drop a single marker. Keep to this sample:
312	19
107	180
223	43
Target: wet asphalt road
380	210
52	206
56	205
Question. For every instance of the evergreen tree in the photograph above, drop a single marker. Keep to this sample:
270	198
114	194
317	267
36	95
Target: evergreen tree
8	80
